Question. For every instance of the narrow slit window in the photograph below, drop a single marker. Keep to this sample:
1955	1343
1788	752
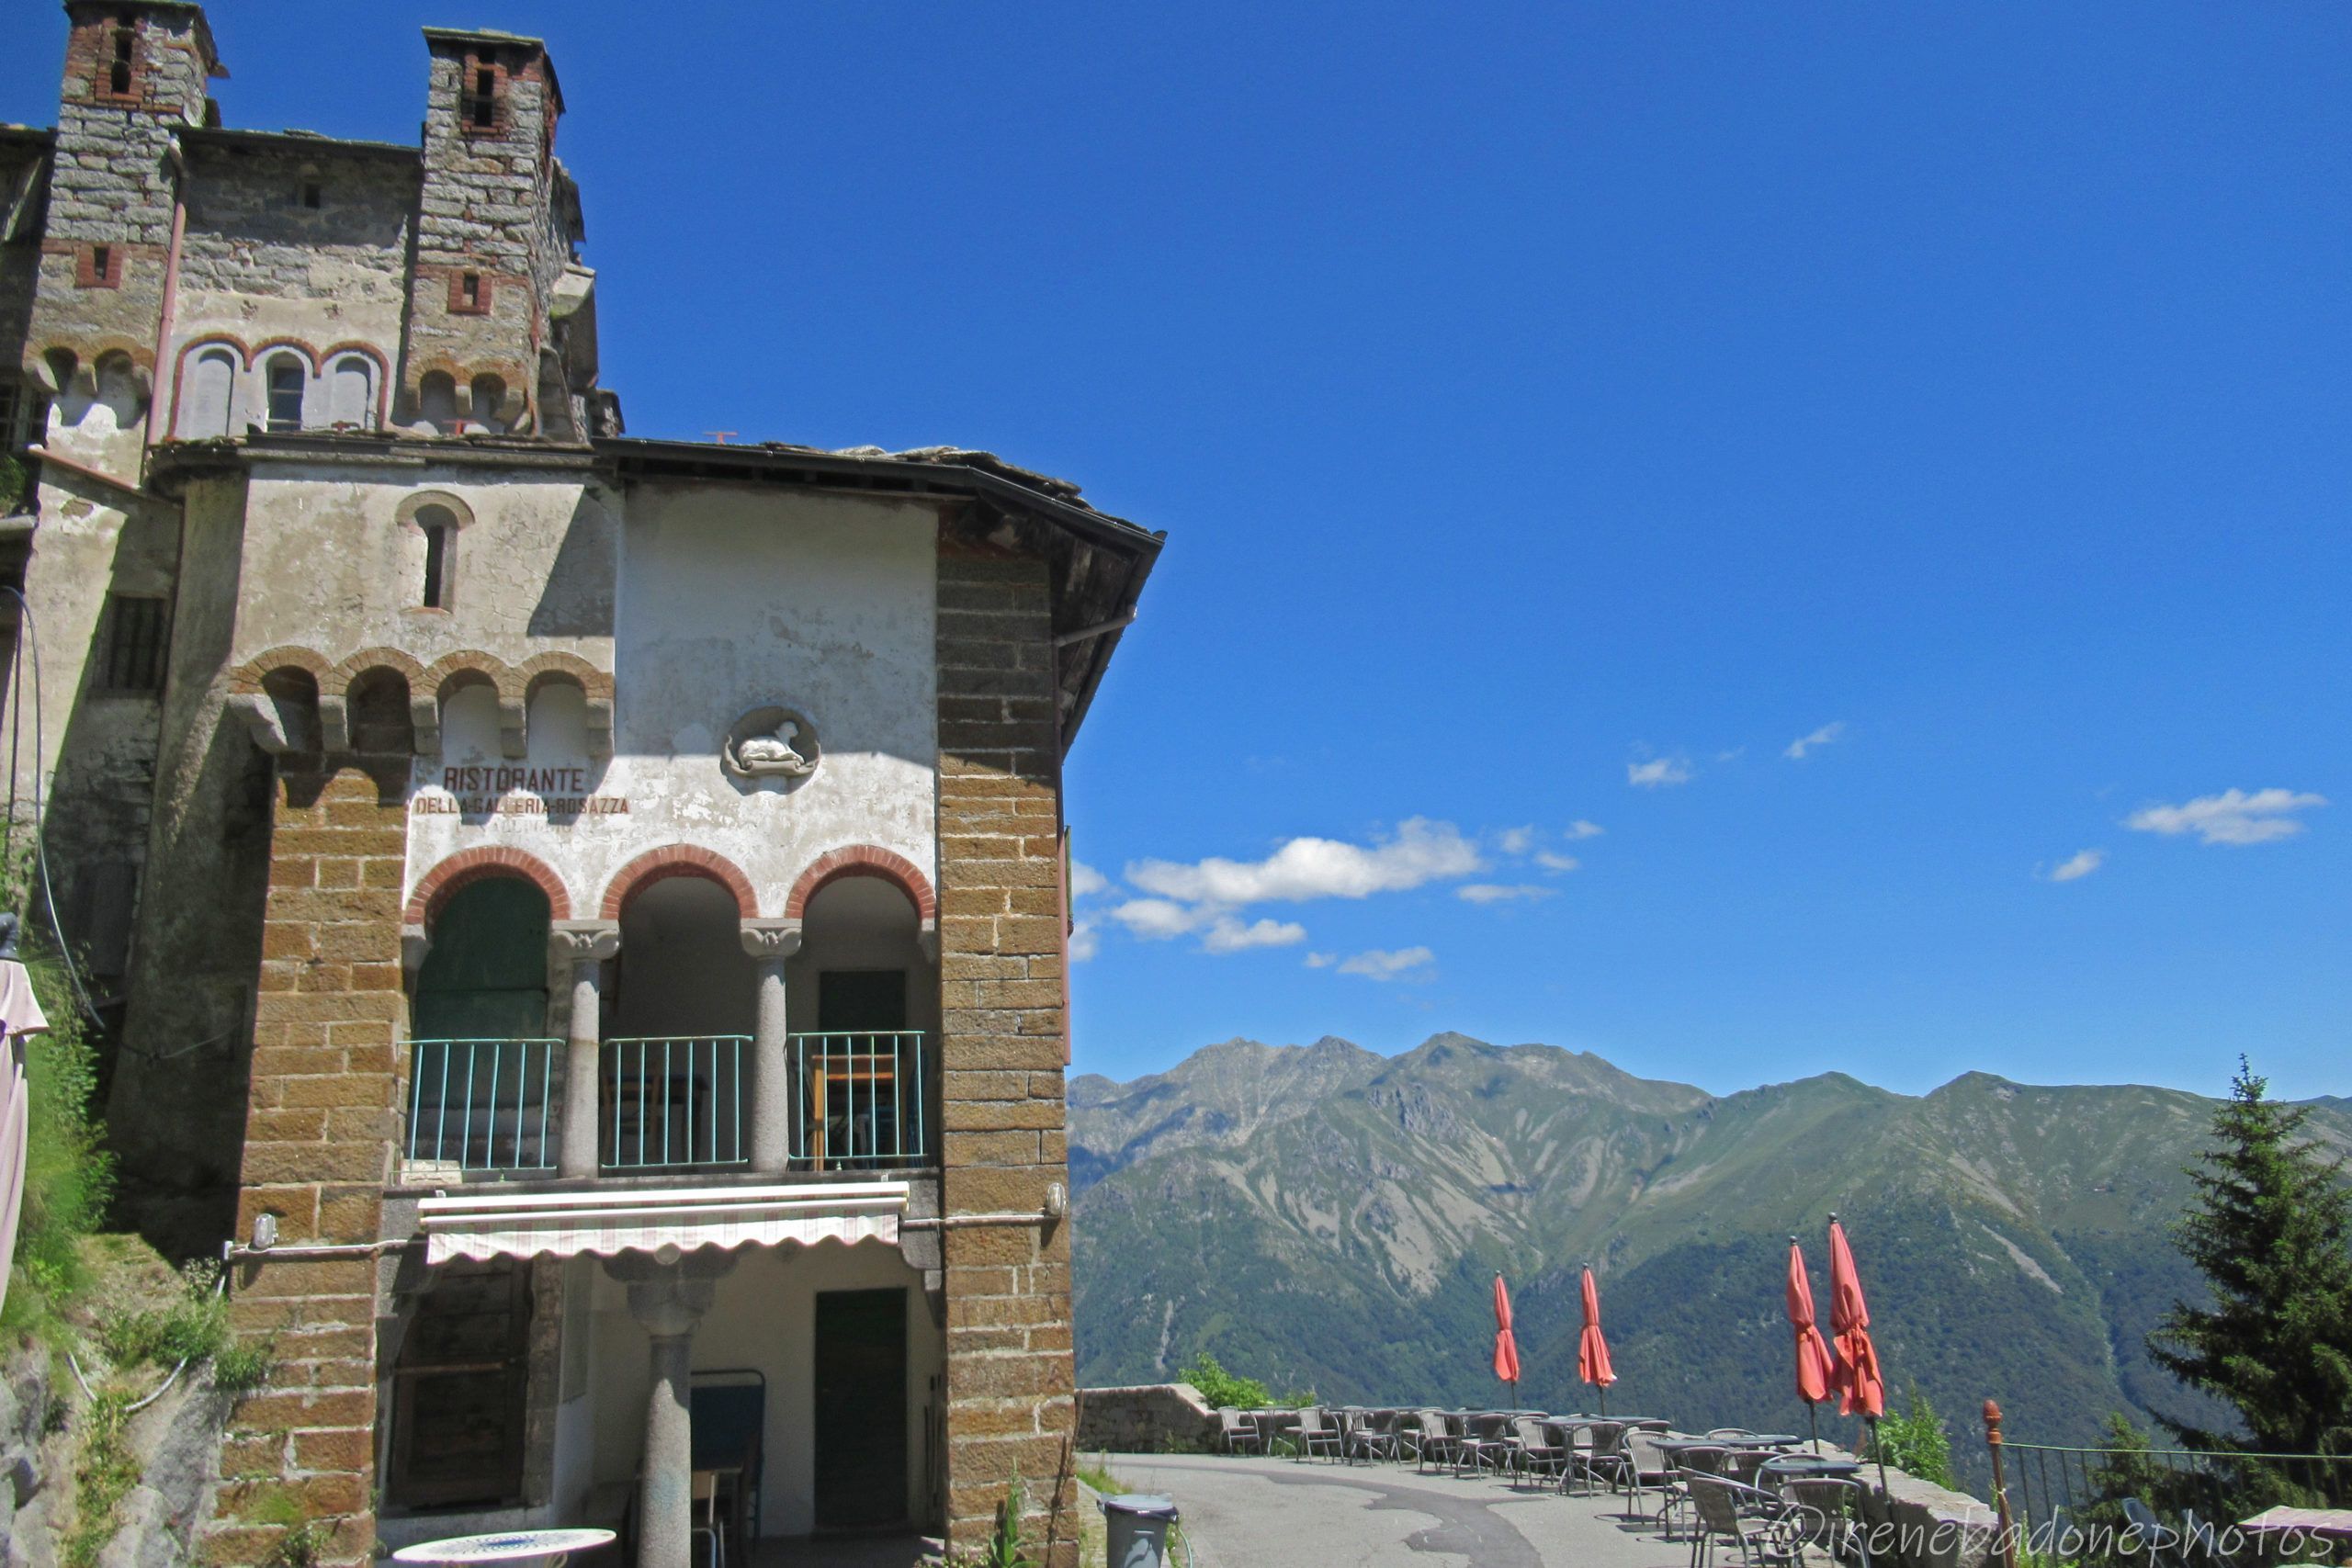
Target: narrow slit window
118	66
101	261
440	556
286	379
470	290
312	196
481	103
135	645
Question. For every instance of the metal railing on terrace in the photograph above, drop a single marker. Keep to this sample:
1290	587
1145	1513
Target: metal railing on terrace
483	1104
2067	1503
852	1100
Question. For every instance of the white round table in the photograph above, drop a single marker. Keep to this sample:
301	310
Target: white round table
552	1547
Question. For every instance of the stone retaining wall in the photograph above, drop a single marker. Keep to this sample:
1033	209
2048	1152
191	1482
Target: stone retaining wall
1144	1418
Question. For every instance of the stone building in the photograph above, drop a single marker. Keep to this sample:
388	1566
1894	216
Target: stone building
585	916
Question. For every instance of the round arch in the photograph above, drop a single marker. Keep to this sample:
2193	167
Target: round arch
468	866
864	859
679	859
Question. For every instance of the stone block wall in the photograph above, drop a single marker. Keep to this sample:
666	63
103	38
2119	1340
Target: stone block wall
1144	1418
1002	1049
319	1136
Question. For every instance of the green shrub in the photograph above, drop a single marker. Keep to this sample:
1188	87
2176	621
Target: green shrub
1221	1388
191	1328
103	1473
68	1175
243	1366
13	481
1915	1441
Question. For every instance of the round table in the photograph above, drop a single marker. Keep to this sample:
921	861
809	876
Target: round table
507	1546
1799	1467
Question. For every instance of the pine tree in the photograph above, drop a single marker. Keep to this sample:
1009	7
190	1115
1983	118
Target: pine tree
2271	1231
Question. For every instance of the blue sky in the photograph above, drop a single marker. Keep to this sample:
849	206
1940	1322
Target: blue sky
1540	401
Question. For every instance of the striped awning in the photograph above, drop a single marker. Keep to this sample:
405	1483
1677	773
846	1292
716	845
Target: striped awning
519	1223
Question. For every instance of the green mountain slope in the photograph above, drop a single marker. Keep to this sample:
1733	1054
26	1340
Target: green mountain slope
1328	1218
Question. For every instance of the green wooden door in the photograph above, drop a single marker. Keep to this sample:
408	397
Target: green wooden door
485	977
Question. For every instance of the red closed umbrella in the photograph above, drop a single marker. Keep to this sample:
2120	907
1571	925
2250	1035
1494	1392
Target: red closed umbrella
1816	1370
1592	1351
1506	1347
1862	1388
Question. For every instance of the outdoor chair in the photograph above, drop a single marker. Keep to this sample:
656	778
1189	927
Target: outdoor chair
1720	1433
1317	1435
1482	1445
1647	1467
1575	1454
1361	1436
1706	1461
1605	1460
1745	1465
1769	1530
1235	1433
1432	1440
1834	1509
1533	1452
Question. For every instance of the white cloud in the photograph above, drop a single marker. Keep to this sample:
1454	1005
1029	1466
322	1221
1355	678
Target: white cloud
1580	829
1498	893
1552	861
1226	935
1085	881
1420	851
1516	840
2232	817
1822	737
1156	919
1321	960
1659	772
1405	962
1085	941
2084	863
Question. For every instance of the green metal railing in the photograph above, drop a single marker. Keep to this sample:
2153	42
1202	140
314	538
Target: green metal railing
483	1104
860	1101
2067	1503
671	1102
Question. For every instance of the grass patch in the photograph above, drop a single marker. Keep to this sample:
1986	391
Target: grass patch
193	1325
104	1473
69	1177
1097	1475
305	1537
242	1368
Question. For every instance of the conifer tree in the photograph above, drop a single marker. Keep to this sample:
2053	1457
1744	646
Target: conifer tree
2271	1231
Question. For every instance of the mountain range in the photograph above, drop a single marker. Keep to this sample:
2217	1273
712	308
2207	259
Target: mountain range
1328	1219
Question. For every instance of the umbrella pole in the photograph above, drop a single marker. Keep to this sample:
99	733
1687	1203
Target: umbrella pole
1812	1424
1604	1396
1878	1449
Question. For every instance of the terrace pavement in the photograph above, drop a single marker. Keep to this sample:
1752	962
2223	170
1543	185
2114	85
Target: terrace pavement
1246	1512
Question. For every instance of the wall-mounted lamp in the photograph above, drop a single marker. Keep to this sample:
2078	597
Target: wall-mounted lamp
1057	1199
264	1232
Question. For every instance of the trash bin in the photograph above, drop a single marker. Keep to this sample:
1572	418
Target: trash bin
1137	1526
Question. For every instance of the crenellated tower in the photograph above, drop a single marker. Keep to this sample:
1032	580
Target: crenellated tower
496	282
135	73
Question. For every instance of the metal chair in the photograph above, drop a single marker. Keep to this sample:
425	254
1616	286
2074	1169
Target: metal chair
1235	1432
1432	1440
1769	1530
1361	1435
1533	1452
1647	1467
1316	1434
705	1524
1834	1504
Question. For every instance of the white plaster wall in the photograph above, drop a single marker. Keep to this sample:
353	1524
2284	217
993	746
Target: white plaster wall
731	598
327	564
763	1316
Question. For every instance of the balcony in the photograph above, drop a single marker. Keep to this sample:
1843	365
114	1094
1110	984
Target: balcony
850	1102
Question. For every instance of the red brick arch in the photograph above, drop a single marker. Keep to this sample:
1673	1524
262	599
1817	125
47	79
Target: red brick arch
864	859
465	868
679	859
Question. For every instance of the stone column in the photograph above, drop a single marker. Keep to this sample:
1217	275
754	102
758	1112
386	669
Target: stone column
668	1294
578	949
770	942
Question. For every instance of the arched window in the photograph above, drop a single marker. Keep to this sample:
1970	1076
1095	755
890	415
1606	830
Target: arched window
439	525
210	392
351	393
490	391
436	401
288	379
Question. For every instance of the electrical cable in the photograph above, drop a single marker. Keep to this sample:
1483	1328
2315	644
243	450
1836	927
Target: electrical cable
40	845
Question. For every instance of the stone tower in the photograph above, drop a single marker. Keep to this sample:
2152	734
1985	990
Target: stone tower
134	72
495	230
